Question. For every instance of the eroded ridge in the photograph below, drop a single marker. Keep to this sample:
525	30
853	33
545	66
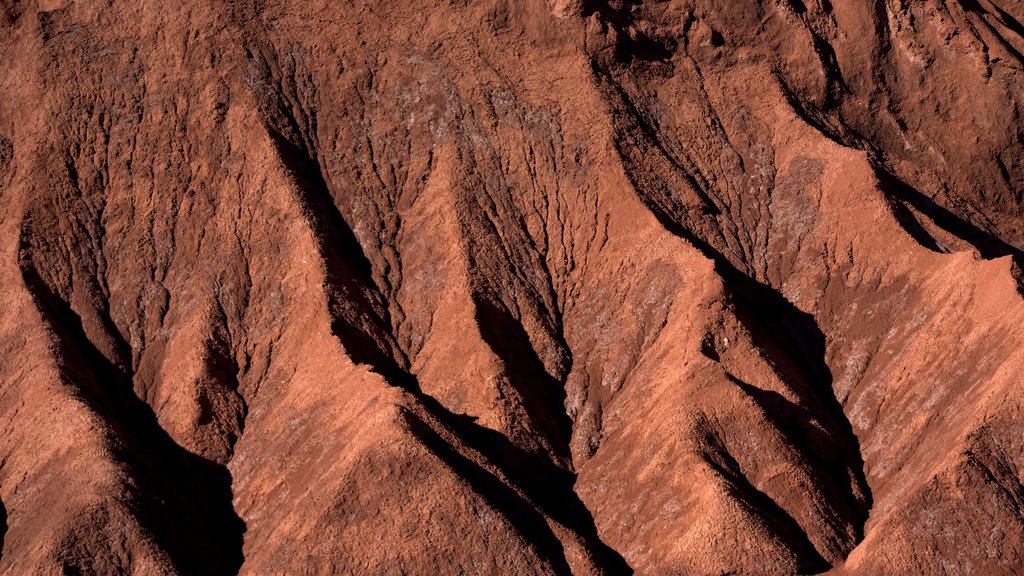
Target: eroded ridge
552	287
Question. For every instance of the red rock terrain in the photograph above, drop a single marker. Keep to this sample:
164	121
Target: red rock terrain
582	286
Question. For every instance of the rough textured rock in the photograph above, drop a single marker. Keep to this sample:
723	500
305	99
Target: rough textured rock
554	286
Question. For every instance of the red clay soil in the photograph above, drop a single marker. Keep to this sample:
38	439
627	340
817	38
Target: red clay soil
499	287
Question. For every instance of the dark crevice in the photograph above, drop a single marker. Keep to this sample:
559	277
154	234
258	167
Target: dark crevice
798	6
223	370
367	336
826	446
796	346
364	330
1009	21
543	396
631	44
791	339
634	121
547	488
988	245
3	527
830	64
912	226
528	521
897	190
119	349
183	499
784	525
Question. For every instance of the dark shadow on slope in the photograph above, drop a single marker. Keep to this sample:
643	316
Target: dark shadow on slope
1005	19
631	43
804	428
351	289
3	527
524	517
361	324
912	226
543	395
632	122
119	350
795	345
1009	21
792	419
987	244
764	506
547	487
183	499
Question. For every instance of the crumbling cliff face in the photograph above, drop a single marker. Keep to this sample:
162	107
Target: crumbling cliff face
588	287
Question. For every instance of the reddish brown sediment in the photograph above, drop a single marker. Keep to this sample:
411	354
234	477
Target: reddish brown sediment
574	286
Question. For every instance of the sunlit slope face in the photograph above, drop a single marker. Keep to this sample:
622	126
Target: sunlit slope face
511	288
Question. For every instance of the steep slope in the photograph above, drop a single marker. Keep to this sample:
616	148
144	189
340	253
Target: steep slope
583	287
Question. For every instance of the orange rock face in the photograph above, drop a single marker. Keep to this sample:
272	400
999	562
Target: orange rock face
540	287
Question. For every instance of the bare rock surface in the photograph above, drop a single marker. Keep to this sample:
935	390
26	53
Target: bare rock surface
540	287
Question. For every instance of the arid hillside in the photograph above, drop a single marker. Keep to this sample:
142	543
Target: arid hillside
512	287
